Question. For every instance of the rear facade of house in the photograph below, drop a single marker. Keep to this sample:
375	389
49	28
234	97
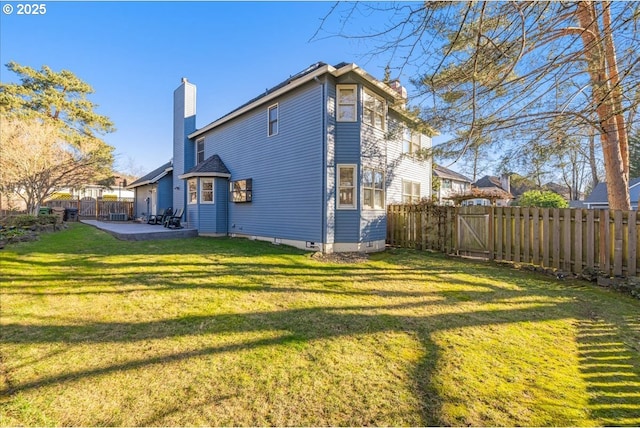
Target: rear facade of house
312	162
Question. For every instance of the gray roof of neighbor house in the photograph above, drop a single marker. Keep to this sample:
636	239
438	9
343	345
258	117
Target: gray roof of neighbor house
488	181
153	176
210	167
442	172
600	195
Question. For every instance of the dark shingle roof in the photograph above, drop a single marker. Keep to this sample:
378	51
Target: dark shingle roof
443	172
599	193
209	165
151	177
488	181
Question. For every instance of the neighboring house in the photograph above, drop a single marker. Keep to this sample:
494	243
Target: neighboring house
493	185
451	183
599	197
153	191
312	162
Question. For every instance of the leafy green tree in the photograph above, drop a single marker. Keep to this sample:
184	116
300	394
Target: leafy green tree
542	199
51	135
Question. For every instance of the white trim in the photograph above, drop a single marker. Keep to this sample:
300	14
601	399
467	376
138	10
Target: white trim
353	206
295	84
189	201
353	87
277	108
376	98
342	247
359	247
203	174
151	180
404	180
373	189
213	192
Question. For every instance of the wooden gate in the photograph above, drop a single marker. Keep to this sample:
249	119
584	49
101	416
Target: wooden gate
473	232
88	207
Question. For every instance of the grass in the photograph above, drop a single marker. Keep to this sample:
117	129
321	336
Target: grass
207	331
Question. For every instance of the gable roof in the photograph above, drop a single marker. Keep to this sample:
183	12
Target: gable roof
600	195
153	176
310	73
210	167
488	181
442	172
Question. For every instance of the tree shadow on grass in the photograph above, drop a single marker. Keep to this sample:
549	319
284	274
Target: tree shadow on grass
611	379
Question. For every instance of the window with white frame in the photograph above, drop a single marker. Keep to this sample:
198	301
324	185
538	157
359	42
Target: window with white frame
206	190
410	191
347	187
373	189
272	125
199	150
410	141
347	103
446	183
192	188
373	110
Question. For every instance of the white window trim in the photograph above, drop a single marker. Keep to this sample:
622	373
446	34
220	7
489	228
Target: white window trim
376	97
411	195
189	200
213	192
198	141
412	135
277	107
373	189
354	205
354	106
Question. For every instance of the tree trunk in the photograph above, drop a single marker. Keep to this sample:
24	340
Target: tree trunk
615	172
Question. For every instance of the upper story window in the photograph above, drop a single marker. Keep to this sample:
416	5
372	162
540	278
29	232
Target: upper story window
446	183
372	188
373	110
272	120
410	141
347	187
410	192
192	188
199	150
206	190
347	103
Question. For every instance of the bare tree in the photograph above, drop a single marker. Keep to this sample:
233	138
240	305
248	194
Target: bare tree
492	69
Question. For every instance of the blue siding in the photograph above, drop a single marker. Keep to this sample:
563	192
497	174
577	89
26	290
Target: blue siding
347	151
191	216
165	192
221	198
286	168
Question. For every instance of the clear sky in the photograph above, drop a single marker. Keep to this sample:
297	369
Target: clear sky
134	54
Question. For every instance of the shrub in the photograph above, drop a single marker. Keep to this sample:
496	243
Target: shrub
542	199
26	221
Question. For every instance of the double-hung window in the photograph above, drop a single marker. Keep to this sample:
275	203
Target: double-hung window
410	141
347	196
410	192
373	110
199	150
347	103
272	125
206	190
192	188
373	189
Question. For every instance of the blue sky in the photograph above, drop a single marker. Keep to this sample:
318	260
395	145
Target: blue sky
135	53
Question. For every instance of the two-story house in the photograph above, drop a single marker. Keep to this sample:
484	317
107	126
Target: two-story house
451	183
312	162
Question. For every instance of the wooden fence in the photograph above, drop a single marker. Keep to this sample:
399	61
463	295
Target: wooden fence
570	240
102	209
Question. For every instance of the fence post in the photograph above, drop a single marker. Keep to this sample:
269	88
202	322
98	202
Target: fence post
632	265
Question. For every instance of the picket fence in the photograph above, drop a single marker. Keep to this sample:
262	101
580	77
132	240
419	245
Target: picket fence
569	240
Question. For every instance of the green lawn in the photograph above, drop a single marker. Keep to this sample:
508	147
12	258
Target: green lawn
208	331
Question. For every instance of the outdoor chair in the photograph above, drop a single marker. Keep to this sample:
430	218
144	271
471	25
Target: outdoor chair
174	220
153	218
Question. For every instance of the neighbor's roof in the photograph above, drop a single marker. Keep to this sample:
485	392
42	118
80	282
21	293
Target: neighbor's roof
488	181
210	167
153	176
443	172
312	72
599	194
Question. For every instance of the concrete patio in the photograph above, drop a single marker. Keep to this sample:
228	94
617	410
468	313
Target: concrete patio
128	231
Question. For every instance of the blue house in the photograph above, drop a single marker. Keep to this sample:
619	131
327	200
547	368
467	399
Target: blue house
312	162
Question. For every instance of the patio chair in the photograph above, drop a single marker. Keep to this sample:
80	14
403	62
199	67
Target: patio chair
173	222
154	217
167	213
